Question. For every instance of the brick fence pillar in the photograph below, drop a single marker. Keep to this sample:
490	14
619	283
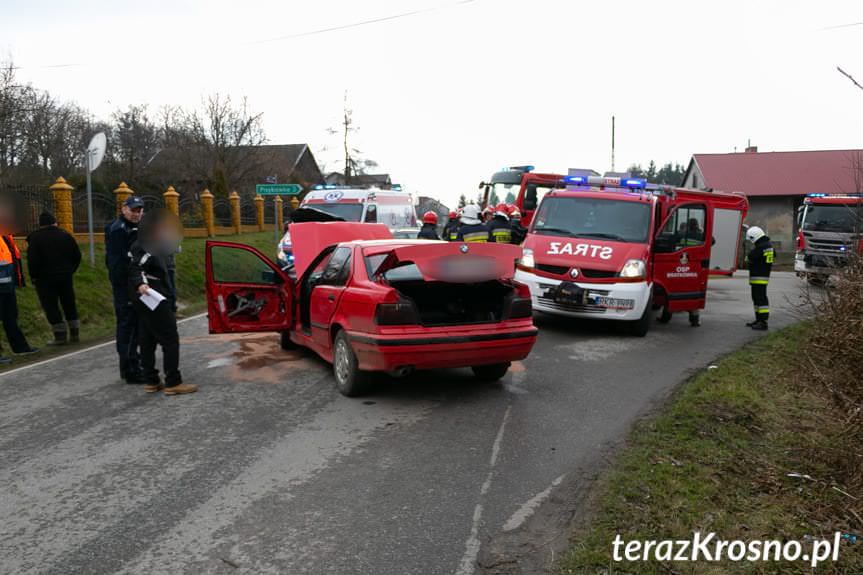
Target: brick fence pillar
235	212
209	219
259	212
172	200
62	193
121	193
280	216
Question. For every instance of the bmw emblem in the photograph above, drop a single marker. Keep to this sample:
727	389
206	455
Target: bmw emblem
573	273
463	248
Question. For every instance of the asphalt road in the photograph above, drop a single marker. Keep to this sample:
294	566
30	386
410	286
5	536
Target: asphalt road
269	470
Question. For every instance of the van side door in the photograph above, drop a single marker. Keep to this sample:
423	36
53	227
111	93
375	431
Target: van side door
681	256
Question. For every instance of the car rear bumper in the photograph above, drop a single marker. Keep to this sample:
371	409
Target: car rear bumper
431	351
639	292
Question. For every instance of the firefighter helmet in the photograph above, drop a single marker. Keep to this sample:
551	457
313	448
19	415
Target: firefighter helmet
754	233
501	210
453	215
514	213
470	214
430	218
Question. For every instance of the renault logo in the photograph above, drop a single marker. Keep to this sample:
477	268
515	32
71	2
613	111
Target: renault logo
463	248
573	273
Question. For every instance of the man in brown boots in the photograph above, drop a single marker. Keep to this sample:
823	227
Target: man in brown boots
150	288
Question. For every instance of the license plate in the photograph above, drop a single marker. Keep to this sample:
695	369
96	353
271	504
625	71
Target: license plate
569	293
613	302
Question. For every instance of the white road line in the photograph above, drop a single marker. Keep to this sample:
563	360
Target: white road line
472	545
529	507
80	351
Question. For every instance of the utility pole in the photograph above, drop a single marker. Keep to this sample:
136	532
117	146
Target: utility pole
612	143
346	123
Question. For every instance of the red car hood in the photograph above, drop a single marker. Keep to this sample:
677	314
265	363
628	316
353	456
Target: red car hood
587	253
310	239
455	262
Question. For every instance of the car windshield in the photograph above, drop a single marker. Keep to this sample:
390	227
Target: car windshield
348	212
832	218
614	220
504	193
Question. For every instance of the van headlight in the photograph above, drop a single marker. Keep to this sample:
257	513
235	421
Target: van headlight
633	269
527	259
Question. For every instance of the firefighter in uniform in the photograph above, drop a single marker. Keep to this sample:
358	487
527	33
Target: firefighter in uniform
429	229
760	263
499	230
472	229
450	230
158	239
519	233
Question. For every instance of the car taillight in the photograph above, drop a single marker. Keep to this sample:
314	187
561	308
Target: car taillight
519	307
401	313
801	241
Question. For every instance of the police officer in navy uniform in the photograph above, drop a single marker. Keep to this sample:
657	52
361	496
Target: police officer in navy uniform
760	260
499	230
429	229
120	234
472	229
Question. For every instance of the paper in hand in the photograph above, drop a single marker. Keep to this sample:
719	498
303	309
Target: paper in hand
152	298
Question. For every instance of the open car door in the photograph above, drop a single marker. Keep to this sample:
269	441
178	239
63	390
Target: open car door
246	292
681	256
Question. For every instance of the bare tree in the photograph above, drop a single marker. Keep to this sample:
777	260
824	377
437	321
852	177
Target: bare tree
135	140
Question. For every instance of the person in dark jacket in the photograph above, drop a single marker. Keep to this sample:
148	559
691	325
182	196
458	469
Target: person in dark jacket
450	230
158	239
499	230
519	233
760	261
472	229
11	278
119	236
429	229
53	256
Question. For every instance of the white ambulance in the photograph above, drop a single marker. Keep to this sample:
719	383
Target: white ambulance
392	207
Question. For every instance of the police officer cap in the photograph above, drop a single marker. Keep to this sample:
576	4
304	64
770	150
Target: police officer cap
134	202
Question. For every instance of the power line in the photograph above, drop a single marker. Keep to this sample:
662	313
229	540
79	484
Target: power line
839	26
356	24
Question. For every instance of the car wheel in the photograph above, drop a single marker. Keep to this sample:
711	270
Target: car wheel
349	379
641	326
664	316
491	372
285	341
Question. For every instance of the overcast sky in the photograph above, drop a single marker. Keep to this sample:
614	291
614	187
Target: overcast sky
447	95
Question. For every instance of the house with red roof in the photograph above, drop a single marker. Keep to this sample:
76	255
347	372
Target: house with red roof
776	183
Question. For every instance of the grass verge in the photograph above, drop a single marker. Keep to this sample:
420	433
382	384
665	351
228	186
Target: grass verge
93	294
717	459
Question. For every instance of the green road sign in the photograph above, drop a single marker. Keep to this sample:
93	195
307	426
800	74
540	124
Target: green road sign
278	189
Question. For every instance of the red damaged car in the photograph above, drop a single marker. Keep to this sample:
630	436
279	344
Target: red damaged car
366	302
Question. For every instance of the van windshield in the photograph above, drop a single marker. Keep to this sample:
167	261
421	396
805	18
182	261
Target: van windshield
613	220
348	212
832	218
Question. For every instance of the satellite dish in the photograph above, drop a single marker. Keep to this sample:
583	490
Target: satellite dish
96	150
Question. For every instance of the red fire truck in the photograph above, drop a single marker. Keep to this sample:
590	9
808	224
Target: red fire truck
617	248
522	183
830	231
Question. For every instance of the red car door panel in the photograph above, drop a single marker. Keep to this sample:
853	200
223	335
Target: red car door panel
246	292
327	293
682	256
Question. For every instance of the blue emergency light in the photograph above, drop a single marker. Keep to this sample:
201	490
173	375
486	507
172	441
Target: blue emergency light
575	180
640	183
396	187
816	195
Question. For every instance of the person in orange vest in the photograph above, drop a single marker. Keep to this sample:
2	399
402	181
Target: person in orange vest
11	278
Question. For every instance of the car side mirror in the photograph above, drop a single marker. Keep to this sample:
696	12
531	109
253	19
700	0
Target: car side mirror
269	276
